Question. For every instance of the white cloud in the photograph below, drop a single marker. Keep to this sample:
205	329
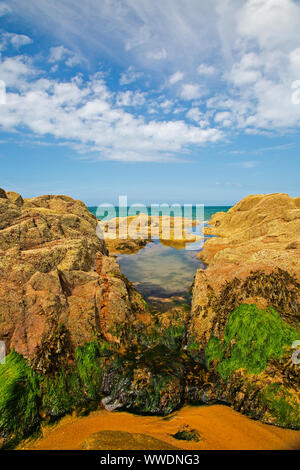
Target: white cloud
294	57
176	77
194	114
139	37
157	55
224	118
57	54
15	71
263	64
190	91
166	104
4	9
254	42
205	69
92	118
130	76
130	98
19	40
247	70
16	40
186	30
272	23
62	54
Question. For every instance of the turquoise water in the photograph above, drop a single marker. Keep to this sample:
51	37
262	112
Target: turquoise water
208	211
163	273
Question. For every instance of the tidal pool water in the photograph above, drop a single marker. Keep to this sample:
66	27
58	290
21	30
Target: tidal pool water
161	272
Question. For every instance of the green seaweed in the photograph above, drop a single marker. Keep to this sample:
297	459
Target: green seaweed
281	405
251	338
89	368
60	393
19	398
27	396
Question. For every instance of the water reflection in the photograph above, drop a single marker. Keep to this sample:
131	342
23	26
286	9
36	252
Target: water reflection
161	271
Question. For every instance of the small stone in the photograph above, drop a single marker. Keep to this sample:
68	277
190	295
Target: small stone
186	433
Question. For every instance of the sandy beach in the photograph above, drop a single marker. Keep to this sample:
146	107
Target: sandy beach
220	428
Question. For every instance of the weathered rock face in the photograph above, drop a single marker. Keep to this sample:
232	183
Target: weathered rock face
54	270
253	265
259	234
257	230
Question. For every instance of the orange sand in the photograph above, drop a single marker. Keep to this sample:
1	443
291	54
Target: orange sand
219	426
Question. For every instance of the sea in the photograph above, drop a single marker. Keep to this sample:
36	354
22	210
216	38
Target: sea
111	212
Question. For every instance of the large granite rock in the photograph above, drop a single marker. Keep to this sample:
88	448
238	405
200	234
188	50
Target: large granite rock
259	234
253	260
54	270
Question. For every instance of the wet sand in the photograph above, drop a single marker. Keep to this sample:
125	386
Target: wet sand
220	427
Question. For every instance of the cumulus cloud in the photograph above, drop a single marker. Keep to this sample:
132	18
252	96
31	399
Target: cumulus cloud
190	91
255	43
16	71
4	9
263	58
205	69
176	77
224	118
130	98
130	76
92	118
272	23
157	55
194	114
62	54
19	40
14	40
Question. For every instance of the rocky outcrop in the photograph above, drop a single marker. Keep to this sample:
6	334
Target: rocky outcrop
260	234
259	230
55	271
253	261
128	235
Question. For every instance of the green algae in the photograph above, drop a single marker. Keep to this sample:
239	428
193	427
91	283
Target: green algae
251	338
19	398
255	341
282	405
28	396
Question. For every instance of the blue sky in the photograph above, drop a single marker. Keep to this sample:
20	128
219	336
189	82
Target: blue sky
183	101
